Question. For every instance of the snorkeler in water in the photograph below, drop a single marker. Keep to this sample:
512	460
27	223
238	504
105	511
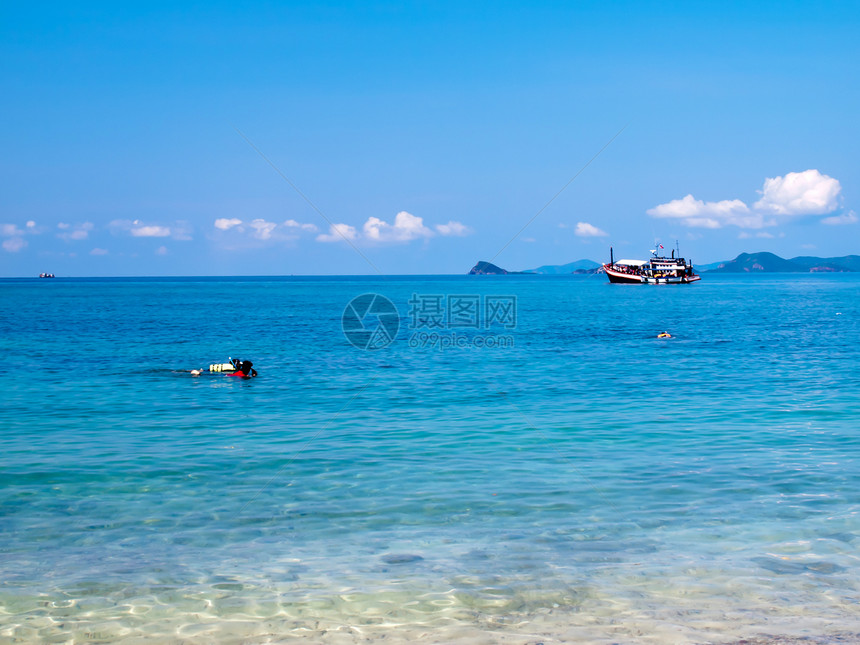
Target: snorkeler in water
244	369
236	367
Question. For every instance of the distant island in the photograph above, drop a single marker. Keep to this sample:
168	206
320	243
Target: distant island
761	262
580	266
764	262
482	267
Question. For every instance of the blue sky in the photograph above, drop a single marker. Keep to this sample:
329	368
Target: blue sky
428	134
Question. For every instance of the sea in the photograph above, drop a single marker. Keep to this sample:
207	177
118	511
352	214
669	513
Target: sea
438	459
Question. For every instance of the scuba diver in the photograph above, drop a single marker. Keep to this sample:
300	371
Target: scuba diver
244	369
236	367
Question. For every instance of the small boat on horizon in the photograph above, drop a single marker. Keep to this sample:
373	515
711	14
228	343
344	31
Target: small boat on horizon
658	269
46	275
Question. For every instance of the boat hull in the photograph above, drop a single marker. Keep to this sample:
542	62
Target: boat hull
619	277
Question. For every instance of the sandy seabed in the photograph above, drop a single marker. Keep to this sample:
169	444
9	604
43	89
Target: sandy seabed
598	622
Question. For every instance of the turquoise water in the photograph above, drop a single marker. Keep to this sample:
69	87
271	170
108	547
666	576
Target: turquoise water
583	482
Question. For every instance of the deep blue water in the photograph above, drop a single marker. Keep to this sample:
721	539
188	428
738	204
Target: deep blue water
584	475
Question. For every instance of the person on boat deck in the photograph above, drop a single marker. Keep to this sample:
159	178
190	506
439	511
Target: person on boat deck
244	370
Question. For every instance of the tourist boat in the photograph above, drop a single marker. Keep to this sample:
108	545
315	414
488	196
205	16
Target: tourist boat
46	275
656	270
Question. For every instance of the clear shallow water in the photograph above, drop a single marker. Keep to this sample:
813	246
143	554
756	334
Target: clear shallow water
590	483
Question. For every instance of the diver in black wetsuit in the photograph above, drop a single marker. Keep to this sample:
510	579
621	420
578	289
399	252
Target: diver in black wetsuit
244	369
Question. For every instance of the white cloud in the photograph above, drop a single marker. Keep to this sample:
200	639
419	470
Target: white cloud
35	229
310	228
179	230
75	232
14	244
338	233
799	193
161	250
845	218
453	228
406	228
149	231
98	251
10	230
700	214
226	223
262	228
584	229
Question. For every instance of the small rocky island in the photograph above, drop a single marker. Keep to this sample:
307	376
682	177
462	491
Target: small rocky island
487	268
582	267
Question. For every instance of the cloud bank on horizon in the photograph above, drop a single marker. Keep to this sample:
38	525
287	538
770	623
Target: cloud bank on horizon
405	228
797	194
781	199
